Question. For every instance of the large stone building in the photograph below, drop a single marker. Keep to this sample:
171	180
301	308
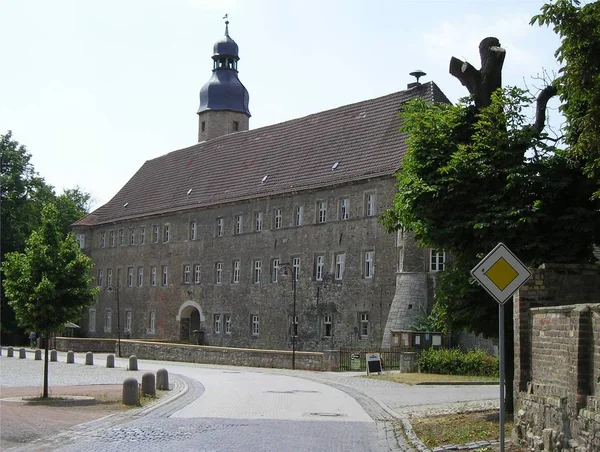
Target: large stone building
195	245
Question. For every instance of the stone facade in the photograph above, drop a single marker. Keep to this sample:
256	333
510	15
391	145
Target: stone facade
557	359
213	124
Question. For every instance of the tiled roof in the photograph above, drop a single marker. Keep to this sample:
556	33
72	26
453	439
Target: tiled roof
295	155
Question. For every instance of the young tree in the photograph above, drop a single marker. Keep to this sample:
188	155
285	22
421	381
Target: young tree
49	283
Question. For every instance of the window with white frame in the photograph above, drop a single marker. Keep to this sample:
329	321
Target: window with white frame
364	324
153	276
319	267
112	239
107	321
197	273
298	216
92	320
227	323
278	215
130	277
321	211
142	235
219	231
80	240
187	272
369	264
275	270
128	321
132	236
103	240
258	221
121	237
296	268
239	223
344	208
340	263
152	322
257	271
140	276
100	277
236	272
155	233
165	275
437	260
255	325
370	205
219	272
109	277
193	230
327	325
217	323
294	323
166	232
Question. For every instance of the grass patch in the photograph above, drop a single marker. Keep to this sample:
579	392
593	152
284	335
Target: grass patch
463	428
419	378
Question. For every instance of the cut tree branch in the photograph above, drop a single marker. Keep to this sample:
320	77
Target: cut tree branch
540	109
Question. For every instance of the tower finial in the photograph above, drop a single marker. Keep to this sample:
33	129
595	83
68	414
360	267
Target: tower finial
226	24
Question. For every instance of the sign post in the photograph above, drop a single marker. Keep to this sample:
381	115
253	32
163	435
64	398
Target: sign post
501	273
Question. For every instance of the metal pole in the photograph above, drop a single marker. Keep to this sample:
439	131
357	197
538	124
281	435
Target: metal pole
294	326
501	351
118	321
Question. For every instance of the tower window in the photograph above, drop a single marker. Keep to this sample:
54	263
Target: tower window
203	126
236	126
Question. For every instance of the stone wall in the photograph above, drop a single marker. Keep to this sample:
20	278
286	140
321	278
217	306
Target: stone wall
84	344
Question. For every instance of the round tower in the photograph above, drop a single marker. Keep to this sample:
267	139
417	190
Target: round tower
223	99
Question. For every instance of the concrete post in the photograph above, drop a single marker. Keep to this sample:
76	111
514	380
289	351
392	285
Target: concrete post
130	392
89	359
149	384
70	357
10	352
110	361
133	364
38	355
162	379
22	353
53	355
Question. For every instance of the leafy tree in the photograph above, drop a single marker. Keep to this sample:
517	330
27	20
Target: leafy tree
49	283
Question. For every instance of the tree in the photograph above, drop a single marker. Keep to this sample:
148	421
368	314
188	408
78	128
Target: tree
49	283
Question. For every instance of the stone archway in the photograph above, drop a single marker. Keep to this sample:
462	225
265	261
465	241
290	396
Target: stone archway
190	318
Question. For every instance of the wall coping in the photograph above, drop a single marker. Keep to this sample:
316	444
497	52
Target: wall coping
581	307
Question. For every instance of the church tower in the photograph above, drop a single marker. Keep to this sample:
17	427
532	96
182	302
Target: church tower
223	99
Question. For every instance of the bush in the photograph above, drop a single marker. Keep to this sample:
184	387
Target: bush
456	362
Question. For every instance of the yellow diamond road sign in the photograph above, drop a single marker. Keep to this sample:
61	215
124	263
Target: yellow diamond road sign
501	273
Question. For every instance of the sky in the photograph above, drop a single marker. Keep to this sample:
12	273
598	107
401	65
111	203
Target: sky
94	89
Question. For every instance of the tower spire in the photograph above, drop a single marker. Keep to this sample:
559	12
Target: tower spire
226	24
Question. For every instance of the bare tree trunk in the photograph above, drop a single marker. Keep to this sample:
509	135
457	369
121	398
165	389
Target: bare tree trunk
45	395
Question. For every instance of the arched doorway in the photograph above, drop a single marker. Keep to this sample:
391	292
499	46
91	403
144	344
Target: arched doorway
191	319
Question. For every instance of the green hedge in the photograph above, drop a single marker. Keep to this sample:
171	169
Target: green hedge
456	362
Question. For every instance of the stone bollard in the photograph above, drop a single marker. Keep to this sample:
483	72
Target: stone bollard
162	379
53	356
132	363
149	384
110	361
89	359
70	357
130	392
38	355
10	352
22	353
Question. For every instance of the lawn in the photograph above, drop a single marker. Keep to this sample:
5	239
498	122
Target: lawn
419	378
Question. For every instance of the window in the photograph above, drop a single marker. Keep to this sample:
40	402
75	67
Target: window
319	266
128	315
278	218
132	236
166	232
121	237
219	227
236	272
255	325
344	208
197	273
298	216
130	277
80	240
364	324
296	268
274	270
258	221
142	235
369	264
227	323
155	233
294	322
100	277
437	260
92	321
187	271
107	321
321	211
109	277
236	126
219	272
165	275
339	265
152	322
193	227
257	271
203	126
370	205
103	240
239	219
327	325
112	239
140	278
153	276
217	323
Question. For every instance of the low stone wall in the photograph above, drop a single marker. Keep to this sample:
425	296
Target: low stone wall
78	344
